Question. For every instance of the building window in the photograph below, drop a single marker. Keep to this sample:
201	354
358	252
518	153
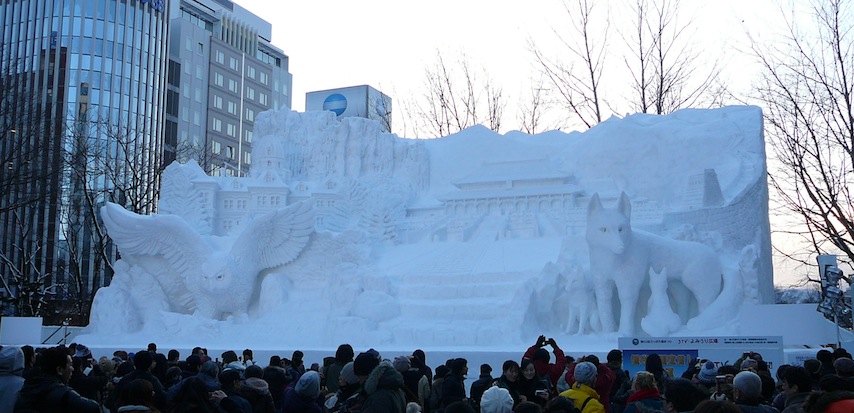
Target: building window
185	114
250	70
199	74
198	95
216	147
216	124
241	204
232	108
228	203
232	85
231	130
262	200
248	136
262	98
247	157
197	118
220	57
229	151
250	115
218	79
188	43
250	93
217	101
200	49
233	64
265	79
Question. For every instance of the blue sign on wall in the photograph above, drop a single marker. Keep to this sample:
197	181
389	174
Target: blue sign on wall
336	103
155	4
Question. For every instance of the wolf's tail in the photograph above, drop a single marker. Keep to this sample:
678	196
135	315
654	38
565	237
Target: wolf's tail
725	308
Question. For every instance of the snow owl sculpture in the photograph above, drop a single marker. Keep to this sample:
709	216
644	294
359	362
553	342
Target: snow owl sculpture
210	276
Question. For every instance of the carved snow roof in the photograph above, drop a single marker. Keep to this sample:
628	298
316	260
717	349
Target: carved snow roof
513	192
516	170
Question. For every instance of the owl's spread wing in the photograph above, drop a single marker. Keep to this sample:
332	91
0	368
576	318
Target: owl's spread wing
165	236
275	238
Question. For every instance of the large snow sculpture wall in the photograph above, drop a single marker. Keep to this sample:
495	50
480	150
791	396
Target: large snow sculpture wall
343	233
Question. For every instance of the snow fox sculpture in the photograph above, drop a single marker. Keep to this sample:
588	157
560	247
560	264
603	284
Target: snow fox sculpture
622	257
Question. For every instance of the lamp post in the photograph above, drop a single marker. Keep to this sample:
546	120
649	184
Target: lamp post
833	303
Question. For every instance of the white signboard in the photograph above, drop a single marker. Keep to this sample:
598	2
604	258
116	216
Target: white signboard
678	352
20	330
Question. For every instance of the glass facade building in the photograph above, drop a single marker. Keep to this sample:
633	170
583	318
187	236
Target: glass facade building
82	115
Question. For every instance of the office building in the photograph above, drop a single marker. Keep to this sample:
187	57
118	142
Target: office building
82	104
223	73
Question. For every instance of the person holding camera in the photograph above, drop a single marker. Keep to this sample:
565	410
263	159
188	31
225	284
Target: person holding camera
542	360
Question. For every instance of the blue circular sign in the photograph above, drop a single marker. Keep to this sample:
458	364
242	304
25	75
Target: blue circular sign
336	103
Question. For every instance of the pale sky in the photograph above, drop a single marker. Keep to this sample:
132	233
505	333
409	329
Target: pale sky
388	44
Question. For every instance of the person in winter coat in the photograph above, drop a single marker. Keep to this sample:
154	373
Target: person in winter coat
194	397
454	388
541	359
230	381
231	362
305	396
747	393
383	390
583	396
87	378
682	395
797	386
509	380
622	382
646	396
343	355
349	389
257	392
143	362
481	384
11	372
49	390
137	397
604	380
656	367
533	388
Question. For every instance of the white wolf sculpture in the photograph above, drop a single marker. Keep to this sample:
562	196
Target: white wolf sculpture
622	257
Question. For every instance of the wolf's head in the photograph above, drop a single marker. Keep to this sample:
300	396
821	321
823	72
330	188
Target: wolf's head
609	228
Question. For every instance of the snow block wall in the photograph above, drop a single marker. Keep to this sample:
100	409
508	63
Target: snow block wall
473	239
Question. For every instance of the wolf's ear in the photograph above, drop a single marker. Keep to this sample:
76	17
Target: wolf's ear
595	204
624	206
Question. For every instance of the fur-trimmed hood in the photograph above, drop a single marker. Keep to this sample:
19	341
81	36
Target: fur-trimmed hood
383	377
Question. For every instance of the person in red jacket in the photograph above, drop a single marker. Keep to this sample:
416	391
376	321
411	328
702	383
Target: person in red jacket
604	378
541	359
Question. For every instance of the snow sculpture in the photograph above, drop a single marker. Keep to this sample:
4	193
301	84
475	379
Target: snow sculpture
622	257
343	233
213	277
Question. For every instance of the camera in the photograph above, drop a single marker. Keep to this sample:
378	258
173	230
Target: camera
542	393
720	379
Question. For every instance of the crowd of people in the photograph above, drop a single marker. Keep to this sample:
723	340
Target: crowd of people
545	379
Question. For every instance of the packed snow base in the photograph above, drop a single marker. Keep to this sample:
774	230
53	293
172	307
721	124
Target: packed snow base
342	233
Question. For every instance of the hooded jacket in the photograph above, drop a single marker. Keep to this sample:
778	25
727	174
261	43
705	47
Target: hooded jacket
11	370
584	398
384	390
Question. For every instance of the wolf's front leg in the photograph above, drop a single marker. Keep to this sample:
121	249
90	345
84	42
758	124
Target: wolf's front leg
604	295
628	307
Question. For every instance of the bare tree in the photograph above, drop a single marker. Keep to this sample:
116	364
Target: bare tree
666	73
457	97
531	111
576	79
806	91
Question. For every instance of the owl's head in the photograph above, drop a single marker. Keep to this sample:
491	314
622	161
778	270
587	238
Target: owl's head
218	274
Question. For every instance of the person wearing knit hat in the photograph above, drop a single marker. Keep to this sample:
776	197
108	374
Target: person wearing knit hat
305	395
844	367
813	366
496	400
349	390
582	394
707	373
82	352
